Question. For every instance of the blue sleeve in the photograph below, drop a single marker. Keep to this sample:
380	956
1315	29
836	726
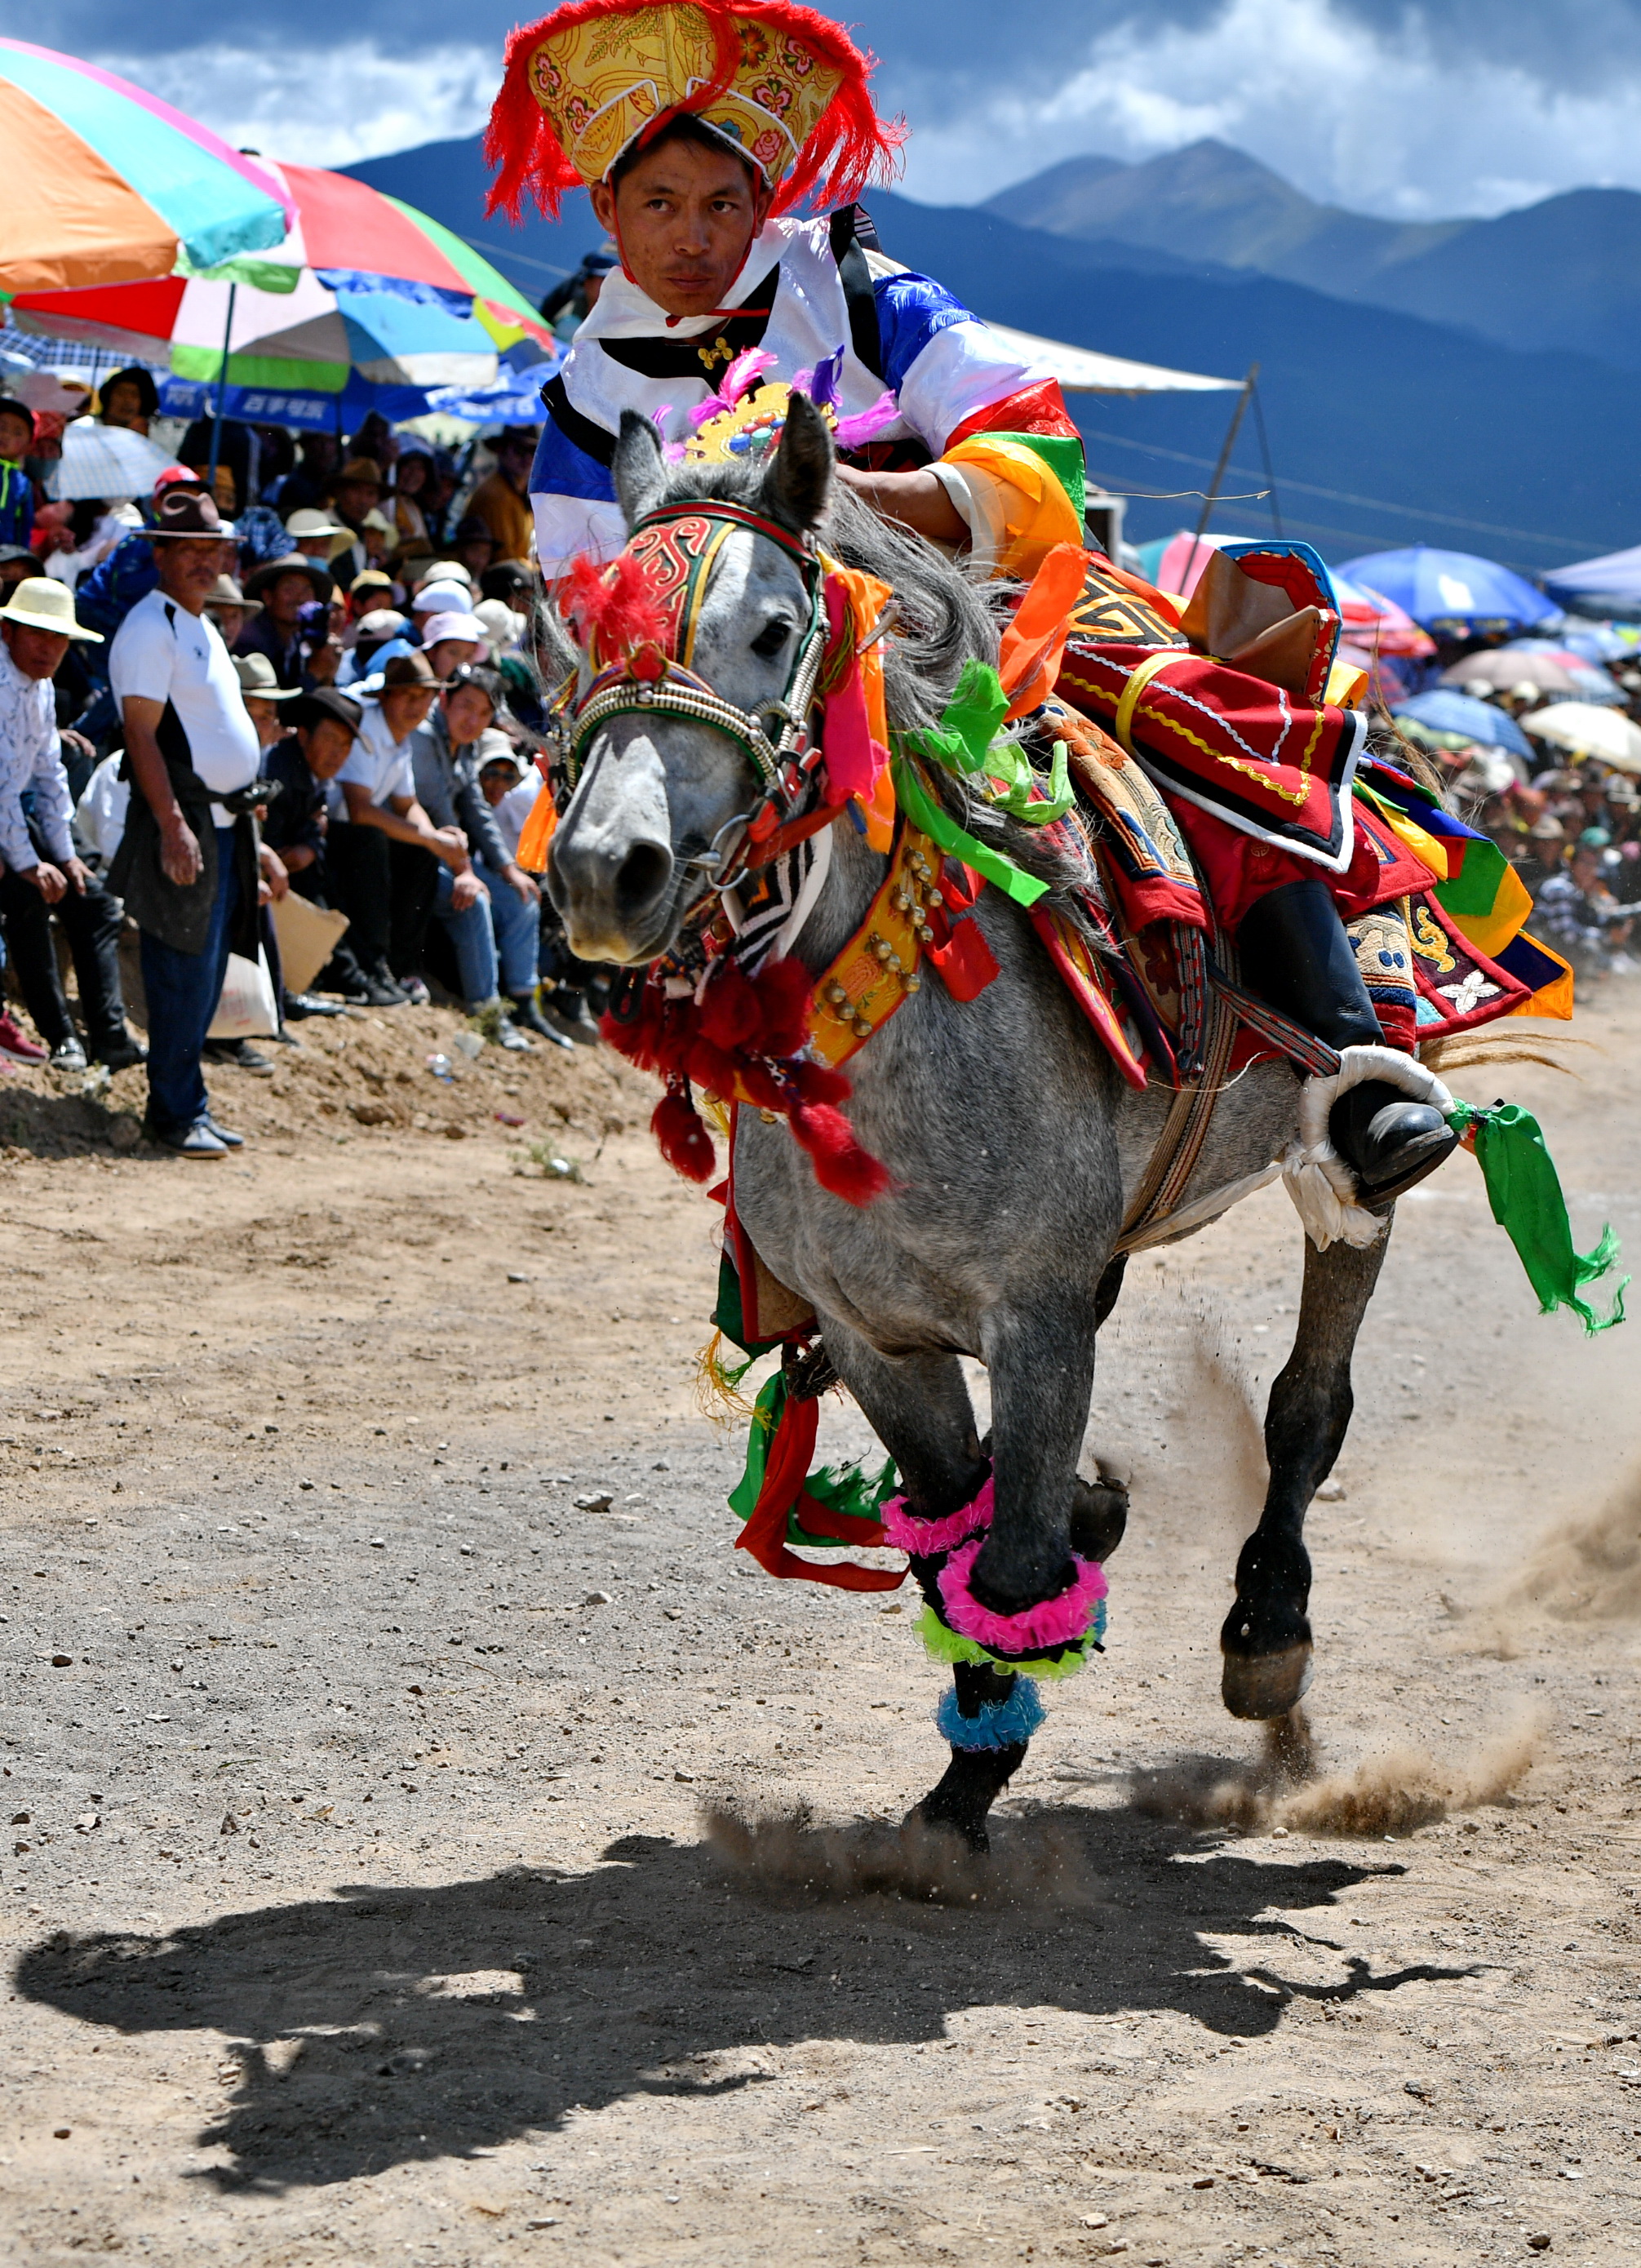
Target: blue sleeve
562	469
107	594
16	505
911	309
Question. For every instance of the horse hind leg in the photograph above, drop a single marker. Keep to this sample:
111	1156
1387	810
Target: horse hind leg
1266	1639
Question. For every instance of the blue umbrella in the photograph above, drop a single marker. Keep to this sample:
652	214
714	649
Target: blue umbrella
513	397
1478	720
1452	593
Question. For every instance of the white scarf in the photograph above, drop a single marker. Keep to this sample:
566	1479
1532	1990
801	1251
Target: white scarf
809	322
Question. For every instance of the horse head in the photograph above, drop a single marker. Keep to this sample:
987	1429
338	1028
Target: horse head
660	793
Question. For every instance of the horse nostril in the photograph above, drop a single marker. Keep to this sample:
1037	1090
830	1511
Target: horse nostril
644	874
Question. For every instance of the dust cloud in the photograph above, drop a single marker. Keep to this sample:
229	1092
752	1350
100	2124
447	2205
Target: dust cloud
1390	1794
1033	1861
1588	1570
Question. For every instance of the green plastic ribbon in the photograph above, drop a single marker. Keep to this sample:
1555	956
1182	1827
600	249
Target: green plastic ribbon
966	741
1524	1190
832	1488
925	814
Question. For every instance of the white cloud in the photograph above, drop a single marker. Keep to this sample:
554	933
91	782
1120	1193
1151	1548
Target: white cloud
1380	118
1377	121
329	107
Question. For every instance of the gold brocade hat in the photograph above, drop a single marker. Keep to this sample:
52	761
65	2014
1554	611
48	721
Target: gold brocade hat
784	88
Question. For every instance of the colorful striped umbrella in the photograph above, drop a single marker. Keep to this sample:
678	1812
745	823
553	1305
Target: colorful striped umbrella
109	184
361	284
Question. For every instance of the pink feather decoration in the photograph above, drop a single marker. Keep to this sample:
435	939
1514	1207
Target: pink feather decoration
853	432
908	1533
1054	1622
748	367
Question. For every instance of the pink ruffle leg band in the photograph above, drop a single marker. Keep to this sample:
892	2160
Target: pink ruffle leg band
1060	1621
924	1537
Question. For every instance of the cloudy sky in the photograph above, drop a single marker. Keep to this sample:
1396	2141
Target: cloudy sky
1388	106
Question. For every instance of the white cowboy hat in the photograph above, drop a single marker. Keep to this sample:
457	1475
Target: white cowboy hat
41	603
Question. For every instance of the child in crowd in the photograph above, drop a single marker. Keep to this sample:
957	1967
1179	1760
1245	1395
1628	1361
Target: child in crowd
16	490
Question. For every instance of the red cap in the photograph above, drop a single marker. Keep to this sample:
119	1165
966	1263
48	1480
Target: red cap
173	474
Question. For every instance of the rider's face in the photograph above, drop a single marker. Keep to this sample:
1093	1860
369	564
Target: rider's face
685	217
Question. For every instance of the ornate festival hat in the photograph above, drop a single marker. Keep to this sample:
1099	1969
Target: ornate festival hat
783	87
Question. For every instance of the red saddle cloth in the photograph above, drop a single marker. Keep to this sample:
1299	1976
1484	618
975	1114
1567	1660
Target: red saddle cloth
1204	785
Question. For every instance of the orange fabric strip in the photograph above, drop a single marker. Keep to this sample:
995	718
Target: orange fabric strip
1033	643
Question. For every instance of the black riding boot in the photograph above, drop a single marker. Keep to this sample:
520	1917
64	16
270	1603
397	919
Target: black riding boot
1295	954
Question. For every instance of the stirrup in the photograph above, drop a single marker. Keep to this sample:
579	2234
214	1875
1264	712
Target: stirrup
1327	1193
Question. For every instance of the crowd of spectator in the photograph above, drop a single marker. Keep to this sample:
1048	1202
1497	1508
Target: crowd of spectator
307	676
1572	831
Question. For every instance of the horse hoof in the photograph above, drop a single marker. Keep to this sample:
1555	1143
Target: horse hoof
1099	1511
924	1823
1266	1684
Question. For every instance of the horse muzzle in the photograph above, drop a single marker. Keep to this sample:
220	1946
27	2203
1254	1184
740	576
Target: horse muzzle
617	894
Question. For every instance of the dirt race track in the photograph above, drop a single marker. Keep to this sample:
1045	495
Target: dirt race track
360	1900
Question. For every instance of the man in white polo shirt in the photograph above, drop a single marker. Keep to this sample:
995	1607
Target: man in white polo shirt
187	863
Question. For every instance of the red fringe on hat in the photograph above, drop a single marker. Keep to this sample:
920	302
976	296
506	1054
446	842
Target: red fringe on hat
850	142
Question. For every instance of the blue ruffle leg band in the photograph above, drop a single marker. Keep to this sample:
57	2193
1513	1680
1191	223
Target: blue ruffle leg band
1000	1724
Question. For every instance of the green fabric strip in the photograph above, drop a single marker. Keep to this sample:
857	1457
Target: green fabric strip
840	1488
846	1488
766	1416
1474	890
1524	1190
1064	456
925	814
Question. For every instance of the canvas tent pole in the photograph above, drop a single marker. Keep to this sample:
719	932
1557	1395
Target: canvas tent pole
1222	468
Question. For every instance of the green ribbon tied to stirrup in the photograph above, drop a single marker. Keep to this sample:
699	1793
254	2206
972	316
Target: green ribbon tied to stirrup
998	772
1524	1190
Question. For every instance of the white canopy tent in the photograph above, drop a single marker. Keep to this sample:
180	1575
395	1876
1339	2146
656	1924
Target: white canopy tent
1080	371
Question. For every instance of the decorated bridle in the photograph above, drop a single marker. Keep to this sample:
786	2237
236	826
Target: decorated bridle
647	609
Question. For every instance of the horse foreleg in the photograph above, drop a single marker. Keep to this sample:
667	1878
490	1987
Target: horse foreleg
982	1764
918	1407
1266	1640
1040	1359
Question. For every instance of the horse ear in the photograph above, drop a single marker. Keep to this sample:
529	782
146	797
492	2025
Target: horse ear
639	466
798	486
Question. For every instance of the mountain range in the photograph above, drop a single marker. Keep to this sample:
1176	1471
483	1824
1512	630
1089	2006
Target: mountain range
1563	274
1386	426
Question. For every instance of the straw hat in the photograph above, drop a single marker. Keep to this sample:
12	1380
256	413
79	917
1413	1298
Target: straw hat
257	681
41	603
225	592
308	525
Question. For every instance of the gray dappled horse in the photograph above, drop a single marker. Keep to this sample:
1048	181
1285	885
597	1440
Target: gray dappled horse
1015	1146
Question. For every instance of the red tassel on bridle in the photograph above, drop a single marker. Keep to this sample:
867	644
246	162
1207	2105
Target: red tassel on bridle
744	1043
614	612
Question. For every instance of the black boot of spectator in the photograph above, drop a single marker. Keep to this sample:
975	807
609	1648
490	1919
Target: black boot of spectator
527	1015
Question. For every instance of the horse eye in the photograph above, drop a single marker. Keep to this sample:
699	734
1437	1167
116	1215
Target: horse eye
772	637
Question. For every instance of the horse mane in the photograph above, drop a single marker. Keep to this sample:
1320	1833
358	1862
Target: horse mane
945	615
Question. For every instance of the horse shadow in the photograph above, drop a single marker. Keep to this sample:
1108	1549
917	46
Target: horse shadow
388	2025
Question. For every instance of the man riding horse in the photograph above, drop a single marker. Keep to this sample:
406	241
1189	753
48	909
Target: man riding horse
693	161
815	747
